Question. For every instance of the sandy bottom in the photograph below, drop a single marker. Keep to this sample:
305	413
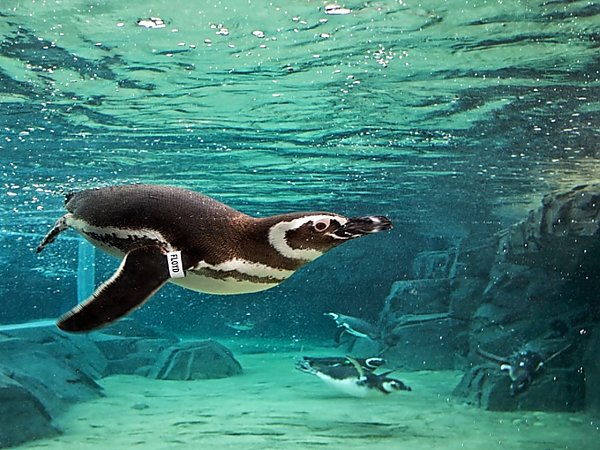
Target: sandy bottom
273	406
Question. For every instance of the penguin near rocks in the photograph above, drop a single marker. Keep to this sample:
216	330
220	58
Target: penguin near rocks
166	234
523	368
352	376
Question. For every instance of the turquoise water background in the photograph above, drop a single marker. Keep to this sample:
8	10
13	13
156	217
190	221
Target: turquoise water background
451	117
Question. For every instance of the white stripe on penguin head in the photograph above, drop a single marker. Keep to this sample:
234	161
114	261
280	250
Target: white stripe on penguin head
278	240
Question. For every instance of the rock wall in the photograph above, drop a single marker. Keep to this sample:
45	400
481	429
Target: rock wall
531	287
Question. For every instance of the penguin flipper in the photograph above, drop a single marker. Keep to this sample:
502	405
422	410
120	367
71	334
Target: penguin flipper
359	369
490	356
142	272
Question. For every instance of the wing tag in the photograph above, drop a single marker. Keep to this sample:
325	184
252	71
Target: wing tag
175	265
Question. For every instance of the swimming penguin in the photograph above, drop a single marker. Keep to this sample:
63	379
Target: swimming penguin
170	234
320	362
353	325
523	367
241	325
352	378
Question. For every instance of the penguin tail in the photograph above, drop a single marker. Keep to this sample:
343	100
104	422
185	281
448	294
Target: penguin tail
404	386
60	226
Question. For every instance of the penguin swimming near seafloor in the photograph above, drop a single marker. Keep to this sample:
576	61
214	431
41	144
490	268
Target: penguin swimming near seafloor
352	376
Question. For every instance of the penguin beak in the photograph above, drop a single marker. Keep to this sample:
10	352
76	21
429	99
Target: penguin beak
359	226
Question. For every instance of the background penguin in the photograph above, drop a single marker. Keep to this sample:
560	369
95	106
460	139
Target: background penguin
352	377
354	326
523	368
169	234
321	362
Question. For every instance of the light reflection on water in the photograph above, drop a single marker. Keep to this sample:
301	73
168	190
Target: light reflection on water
269	106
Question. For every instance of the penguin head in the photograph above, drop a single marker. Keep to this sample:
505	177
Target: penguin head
334	316
359	226
389	385
306	236
524	368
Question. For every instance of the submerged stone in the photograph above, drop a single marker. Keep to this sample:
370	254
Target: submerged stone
22	416
195	361
557	389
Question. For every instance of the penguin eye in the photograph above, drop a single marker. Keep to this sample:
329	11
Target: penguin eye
322	225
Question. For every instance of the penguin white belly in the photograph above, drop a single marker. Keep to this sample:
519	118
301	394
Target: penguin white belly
348	386
226	286
236	276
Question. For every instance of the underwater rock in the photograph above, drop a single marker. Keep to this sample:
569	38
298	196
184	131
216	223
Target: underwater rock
465	297
487	387
57	377
429	342
432	265
417	297
363	348
475	258
518	286
130	347
22	416
591	362
489	314
535	281
44	371
130	355
418	331
195	360
562	234
77	351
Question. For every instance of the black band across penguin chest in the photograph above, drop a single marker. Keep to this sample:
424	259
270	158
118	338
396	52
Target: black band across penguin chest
244	262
